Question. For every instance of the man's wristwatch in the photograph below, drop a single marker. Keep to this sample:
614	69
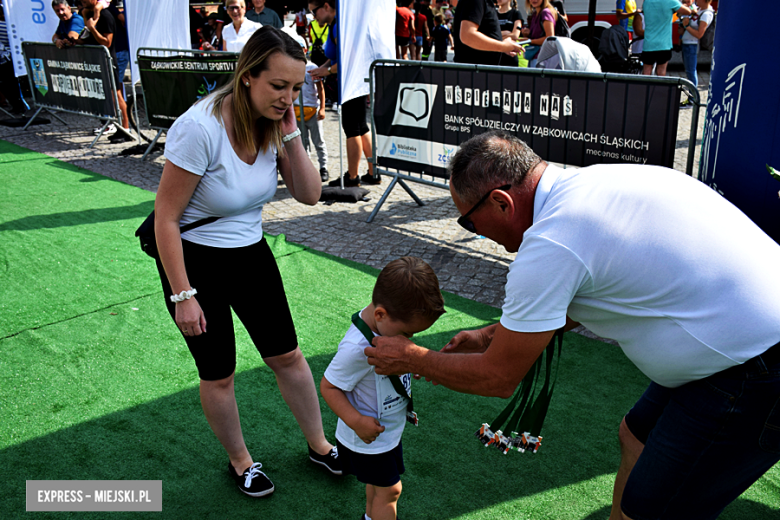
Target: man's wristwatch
330	71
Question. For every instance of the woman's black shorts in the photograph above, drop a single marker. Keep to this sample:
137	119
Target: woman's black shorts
247	280
656	57
353	117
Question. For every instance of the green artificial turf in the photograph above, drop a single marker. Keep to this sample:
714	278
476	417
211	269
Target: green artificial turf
98	385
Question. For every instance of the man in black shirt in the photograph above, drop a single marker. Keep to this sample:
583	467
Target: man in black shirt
101	32
477	34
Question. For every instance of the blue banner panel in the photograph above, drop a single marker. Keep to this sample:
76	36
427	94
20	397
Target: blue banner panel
742	129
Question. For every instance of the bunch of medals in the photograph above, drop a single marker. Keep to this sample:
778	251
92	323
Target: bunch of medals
497	439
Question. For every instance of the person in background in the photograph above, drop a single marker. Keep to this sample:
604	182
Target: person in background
511	23
441	38
222	159
212	32
313	93
70	26
477	34
625	9
558	5
263	15
424	7
354	112
122	50
99	29
658	34
236	34
301	23
541	25
692	29
421	34
404	29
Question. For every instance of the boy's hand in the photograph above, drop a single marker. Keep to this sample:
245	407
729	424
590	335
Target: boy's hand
367	428
321	114
466	342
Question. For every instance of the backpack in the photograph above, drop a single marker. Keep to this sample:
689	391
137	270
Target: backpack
707	39
317	55
562	27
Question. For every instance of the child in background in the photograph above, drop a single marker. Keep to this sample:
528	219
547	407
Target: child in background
441	38
313	92
372	413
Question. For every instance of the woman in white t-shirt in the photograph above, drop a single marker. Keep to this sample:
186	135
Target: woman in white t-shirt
222	160
236	34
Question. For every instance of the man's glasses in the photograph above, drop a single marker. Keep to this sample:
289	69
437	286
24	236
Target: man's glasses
314	11
464	221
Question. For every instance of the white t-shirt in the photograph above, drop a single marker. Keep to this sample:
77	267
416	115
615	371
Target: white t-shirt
371	395
235	42
229	187
705	16
677	275
309	89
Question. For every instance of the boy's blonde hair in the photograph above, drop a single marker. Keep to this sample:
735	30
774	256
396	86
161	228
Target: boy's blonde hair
408	288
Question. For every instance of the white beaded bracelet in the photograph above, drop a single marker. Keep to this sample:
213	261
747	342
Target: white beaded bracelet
184	295
290	137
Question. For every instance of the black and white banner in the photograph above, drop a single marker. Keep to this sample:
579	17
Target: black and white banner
422	114
173	84
75	79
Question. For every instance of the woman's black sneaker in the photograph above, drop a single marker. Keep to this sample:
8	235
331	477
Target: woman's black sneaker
253	482
330	460
370	179
348	182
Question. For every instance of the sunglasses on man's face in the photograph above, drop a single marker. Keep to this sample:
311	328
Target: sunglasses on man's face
314	11
465	222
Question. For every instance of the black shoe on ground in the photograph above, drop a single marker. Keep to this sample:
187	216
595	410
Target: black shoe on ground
348	181
330	460
370	179
324	175
253	482
120	137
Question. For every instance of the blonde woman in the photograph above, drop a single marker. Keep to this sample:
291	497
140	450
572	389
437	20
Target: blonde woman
236	34
541	25
222	160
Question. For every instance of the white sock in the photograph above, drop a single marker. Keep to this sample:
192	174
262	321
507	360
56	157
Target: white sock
366	517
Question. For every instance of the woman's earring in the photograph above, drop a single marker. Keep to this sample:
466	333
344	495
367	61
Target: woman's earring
247	83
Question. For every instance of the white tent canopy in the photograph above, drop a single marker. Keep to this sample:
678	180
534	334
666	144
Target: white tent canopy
156	23
366	33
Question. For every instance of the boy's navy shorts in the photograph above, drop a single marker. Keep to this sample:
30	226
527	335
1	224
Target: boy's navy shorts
381	469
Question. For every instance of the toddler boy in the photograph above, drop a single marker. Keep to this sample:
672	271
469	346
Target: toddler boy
373	409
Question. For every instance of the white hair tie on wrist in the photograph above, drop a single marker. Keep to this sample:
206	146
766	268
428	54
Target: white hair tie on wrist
184	295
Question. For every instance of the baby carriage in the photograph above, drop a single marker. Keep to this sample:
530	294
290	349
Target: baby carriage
615	52
562	53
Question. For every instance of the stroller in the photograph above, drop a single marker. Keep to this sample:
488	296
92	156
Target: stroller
562	53
615	52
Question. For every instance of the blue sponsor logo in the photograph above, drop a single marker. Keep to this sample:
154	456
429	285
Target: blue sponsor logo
393	149
445	157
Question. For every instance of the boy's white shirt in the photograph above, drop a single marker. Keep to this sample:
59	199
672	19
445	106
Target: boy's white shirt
371	394
309	88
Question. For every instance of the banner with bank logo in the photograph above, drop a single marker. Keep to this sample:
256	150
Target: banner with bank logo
172	84
76	79
422	114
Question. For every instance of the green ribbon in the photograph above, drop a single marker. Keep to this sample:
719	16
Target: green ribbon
363	327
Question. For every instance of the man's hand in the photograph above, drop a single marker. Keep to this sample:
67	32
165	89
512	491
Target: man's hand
89	23
319	73
321	114
389	354
367	428
511	47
